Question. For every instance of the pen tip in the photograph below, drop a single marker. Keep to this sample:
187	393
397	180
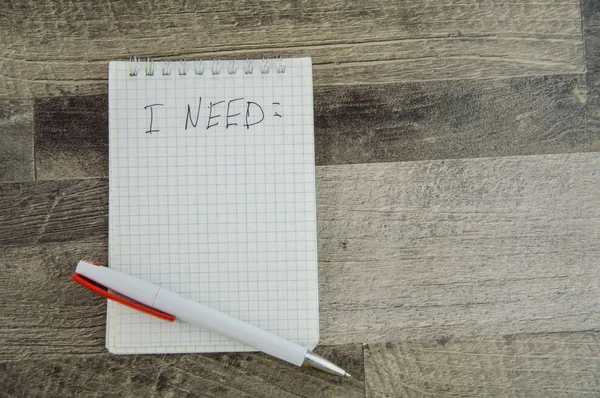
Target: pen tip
347	375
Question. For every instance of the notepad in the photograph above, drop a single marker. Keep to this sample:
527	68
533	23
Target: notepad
212	195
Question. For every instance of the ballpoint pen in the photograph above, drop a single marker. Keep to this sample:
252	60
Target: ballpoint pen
167	305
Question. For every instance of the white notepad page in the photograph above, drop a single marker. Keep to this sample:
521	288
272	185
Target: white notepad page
212	195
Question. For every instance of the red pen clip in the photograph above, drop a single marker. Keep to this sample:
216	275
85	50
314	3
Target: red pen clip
102	291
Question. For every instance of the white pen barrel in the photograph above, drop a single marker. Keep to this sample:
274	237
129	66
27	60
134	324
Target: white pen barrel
193	312
201	315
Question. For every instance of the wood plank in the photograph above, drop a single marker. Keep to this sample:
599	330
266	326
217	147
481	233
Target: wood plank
459	247
71	137
215	375
45	313
463	247
53	211
350	42
452	119
544	365
16	140
40	300
372	123
591	34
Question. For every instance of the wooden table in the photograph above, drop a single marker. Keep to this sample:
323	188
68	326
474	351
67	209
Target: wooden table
458	194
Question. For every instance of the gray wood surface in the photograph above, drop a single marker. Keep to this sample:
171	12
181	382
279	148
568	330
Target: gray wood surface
45	313
397	261
71	137
66	48
215	375
53	341
53	211
591	34
453	119
466	277
463	247
539	365
372	123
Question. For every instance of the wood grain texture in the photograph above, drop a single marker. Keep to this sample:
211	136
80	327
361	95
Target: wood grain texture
546	365
56	49
453	119
71	137
16	140
53	343
591	34
483	271
372	123
45	313
53	211
462	247
215	375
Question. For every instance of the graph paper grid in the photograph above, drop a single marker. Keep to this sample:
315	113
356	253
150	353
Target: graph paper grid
222	214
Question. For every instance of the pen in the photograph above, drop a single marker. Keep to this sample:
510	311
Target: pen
167	305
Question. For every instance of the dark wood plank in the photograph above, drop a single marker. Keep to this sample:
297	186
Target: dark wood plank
452	119
196	375
16	140
54	333
372	123
54	211
351	42
591	34
541	365
71	137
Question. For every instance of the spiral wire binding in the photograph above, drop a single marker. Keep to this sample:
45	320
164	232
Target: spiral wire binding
199	67
248	66
182	69
280	65
148	66
167	67
134	66
264	66
216	67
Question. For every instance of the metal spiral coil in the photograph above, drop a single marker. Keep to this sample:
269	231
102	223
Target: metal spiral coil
137	66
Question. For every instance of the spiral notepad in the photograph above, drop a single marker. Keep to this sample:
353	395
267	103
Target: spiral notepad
212	195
